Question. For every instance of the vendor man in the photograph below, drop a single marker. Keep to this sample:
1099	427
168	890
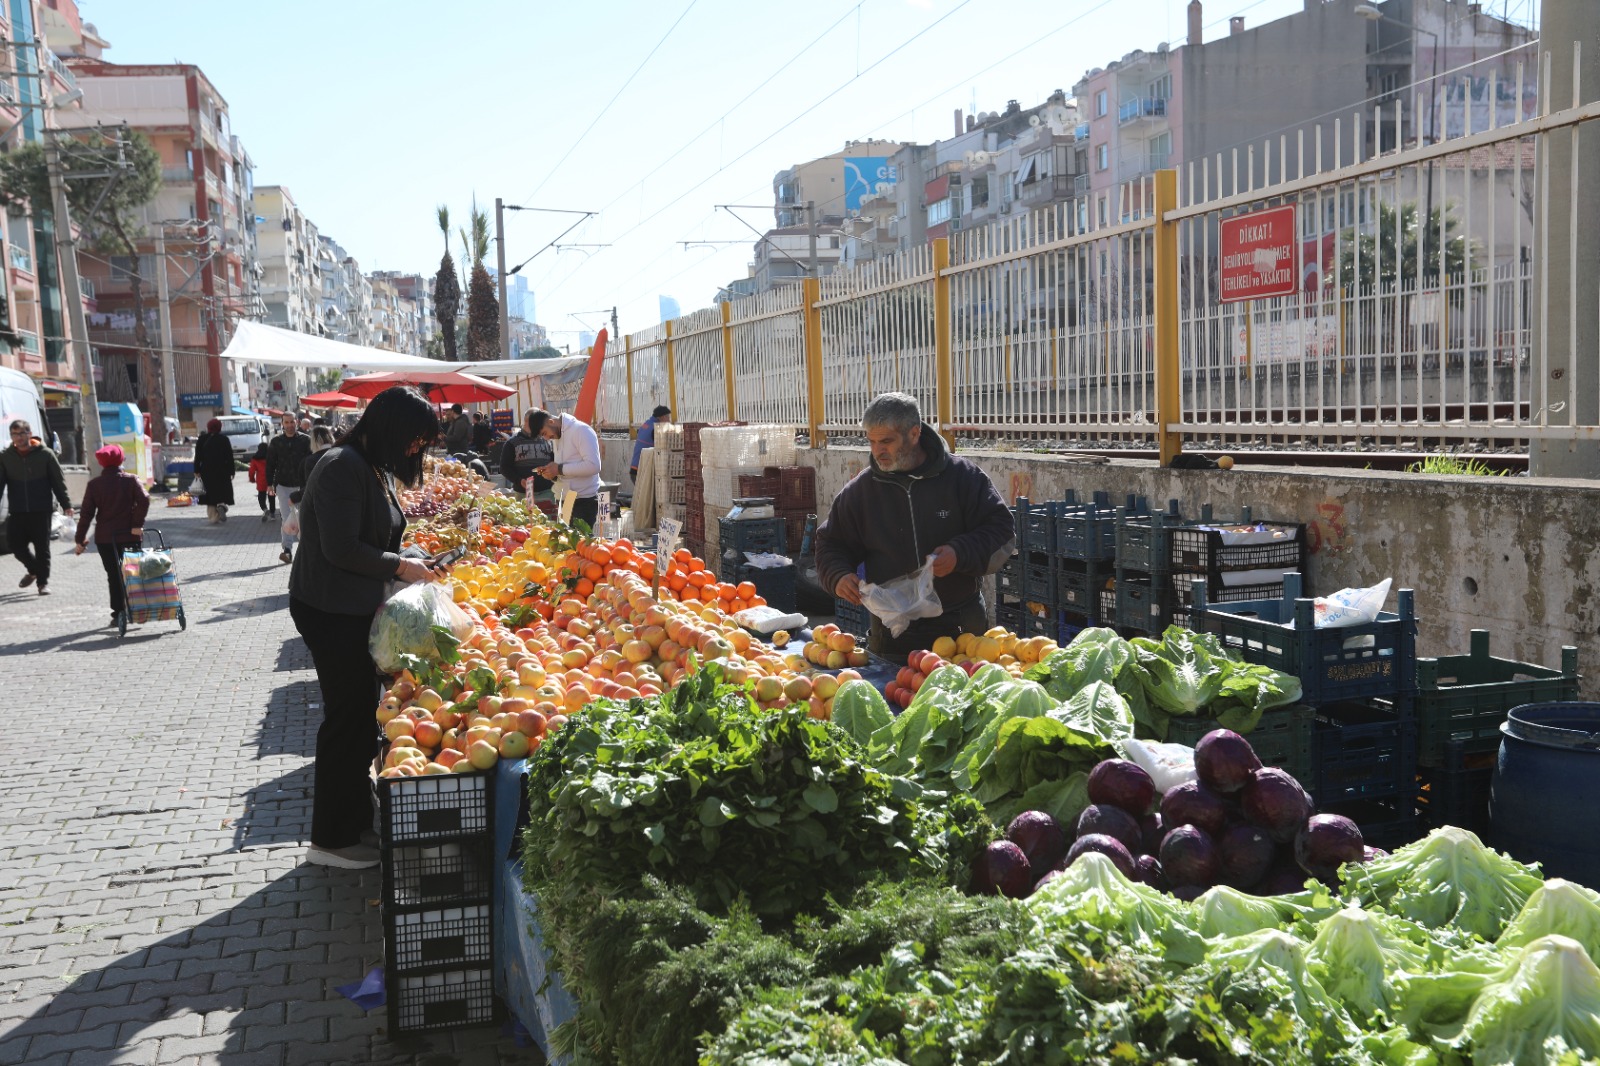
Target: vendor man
914	500
577	462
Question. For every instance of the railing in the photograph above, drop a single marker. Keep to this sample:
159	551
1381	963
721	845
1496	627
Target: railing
20	258
1080	132
1142	107
1080	184
183	174
1054	187
1415	315
27	341
61	69
86	287
8	90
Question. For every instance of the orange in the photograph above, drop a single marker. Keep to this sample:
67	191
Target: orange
727	592
601	556
683	555
738	605
676	582
759	601
593	572
583	587
746	589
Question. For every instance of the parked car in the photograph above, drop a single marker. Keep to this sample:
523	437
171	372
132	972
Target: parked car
20	397
245	433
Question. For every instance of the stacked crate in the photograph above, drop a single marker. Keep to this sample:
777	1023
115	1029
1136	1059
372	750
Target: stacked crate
435	837
1048	587
1360	680
694	492
669	467
1461	702
1139	598
795	500
728	452
1233	572
757	536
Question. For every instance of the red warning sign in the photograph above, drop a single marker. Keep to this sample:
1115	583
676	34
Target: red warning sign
1258	255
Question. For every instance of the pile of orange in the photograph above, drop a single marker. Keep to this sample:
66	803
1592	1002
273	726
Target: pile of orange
688	579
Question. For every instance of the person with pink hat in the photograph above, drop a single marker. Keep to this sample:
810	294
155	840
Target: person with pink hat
117	504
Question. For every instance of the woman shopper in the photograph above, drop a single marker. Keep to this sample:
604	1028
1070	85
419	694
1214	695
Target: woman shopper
117	504
213	461
350	528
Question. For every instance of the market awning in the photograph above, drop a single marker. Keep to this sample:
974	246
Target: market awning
324	400
440	386
273	346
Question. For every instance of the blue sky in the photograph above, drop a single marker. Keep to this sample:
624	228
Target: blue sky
373	113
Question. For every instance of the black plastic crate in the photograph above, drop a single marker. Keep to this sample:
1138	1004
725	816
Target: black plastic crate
449	999
1039	585
446	936
751	535
1386	824
1086	534
775	584
1036	525
1008	580
1014	619
1197	549
1457	793
435	807
851	619
421	876
1078	587
1365	750
1464	698
1141	537
1285	737
1333	664
1216	592
1143	602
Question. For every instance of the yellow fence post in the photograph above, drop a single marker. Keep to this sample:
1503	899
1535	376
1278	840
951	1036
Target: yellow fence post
627	354
1169	397
944	365
672	374
811	333
727	361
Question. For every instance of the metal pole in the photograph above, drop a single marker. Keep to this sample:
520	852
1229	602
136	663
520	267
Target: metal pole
1169	393
811	213
500	275
67	264
944	377
166	354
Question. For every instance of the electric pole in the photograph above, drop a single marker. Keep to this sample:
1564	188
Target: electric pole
67	265
500	275
811	214
166	354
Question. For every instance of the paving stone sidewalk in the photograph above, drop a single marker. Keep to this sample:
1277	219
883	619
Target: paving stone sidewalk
153	904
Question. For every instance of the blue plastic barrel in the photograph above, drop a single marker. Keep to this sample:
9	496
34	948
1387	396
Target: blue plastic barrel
1544	800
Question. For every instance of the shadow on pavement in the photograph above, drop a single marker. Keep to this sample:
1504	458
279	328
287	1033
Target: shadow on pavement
293	655
290	725
278	601
276	812
221	575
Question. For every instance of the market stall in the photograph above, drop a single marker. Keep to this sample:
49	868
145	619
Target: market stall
663	838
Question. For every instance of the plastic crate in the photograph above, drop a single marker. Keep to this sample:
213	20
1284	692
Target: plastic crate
1078	586
1333	664
1008	580
797	487
417	876
445	1000
1039	585
672	461
1386	824
851	619
1458	792
1036	526
775	584
436	807
758	485
751	535
1201	550
1465	697
1086	534
446	936
1285	737
1143	602
1141	537
1216	592
794	530
1365	750
1014	619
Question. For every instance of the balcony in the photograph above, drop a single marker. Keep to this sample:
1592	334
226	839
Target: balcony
8	91
1143	107
61	69
1159	160
1080	185
86	287
183	174
1046	190
1080	132
28	342
20	259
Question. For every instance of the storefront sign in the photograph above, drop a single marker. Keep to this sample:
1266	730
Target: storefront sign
200	399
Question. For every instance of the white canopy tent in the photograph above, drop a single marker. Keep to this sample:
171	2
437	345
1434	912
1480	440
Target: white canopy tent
272	346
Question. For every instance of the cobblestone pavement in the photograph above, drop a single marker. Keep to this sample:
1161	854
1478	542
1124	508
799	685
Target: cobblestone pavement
153	905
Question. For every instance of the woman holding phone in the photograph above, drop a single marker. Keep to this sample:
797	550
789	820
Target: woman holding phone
350	530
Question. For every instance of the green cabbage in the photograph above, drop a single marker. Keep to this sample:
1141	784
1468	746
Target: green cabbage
1092	892
1357	954
1181	673
1446	879
1557	906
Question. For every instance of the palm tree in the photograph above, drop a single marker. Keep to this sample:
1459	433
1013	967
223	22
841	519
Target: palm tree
483	310
1394	251
446	290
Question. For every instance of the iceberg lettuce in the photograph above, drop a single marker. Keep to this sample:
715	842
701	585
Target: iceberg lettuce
1446	879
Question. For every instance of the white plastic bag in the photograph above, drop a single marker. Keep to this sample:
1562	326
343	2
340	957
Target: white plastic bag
405	625
768	619
1169	765
62	527
291	521
1351	607
902	601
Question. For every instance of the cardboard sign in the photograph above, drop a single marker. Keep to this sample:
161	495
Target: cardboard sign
569	499
474	521
668	530
1257	256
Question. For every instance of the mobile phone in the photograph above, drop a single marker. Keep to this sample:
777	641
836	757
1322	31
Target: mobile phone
448	557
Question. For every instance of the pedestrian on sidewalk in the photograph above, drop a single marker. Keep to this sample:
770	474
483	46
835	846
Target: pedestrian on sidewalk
117	504
32	474
646	439
321	442
351	525
213	462
257	473
286	462
457	431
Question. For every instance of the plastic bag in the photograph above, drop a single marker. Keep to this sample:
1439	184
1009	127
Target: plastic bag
291	521
1351	607
405	625
154	564
768	619
1169	765
902	601
62	527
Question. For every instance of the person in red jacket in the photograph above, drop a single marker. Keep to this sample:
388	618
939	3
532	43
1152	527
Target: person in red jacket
117	504
257	474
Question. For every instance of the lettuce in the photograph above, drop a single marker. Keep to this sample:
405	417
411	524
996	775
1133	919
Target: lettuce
860	710
1181	673
1557	906
1357	954
1446	879
1225	912
1092	892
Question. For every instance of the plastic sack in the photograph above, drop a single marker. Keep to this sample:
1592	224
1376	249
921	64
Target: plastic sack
405	625
1169	765
154	564
291	521
902	601
768	619
1351	607
62	527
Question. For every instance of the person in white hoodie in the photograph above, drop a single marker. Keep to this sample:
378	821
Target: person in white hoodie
577	462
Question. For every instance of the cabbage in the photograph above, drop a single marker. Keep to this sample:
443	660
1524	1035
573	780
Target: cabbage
1092	892
1182	672
1543	1003
1446	879
1266	975
1226	911
1357	953
1557	906
860	710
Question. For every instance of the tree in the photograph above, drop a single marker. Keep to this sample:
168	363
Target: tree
1393	252
446	290
104	210
483	310
544	351
327	381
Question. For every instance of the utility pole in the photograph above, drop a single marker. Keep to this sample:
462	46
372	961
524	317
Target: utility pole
67	265
500	275
615	332
811	214
166	355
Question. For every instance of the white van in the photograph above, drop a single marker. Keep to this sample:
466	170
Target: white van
20	398
245	433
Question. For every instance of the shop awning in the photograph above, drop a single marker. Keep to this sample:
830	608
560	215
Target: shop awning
273	346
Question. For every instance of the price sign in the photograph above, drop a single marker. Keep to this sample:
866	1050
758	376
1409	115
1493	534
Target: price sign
569	500
667	532
474	521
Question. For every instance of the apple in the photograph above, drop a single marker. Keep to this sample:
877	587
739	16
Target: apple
429	700
483	754
399	726
388	710
836	660
798	688
447	758
429	734
434	769
858	657
513	745
531	723
555	722
824	687
637	651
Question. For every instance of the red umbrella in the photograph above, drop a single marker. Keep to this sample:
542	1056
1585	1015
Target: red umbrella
440	386
328	399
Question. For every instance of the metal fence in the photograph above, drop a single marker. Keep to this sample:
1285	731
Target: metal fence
1418	315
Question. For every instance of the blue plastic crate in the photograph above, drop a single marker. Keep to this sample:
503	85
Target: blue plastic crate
1087	534
1141	537
1333	664
1143	601
775	584
752	535
1008	579
1078	586
851	618
1365	750
1039	585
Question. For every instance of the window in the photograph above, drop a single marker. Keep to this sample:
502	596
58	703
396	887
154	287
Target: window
1161	88
833	242
1102	211
1102	157
939	211
122	267
1100	104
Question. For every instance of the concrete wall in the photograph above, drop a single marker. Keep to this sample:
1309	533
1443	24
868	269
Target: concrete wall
1514	556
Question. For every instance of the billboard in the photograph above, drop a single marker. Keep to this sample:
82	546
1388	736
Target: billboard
862	176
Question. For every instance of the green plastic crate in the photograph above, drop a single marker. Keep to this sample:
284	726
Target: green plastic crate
1466	697
1283	738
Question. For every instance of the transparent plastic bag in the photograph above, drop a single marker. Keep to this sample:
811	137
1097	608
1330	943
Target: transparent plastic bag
291	521
405	625
902	601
